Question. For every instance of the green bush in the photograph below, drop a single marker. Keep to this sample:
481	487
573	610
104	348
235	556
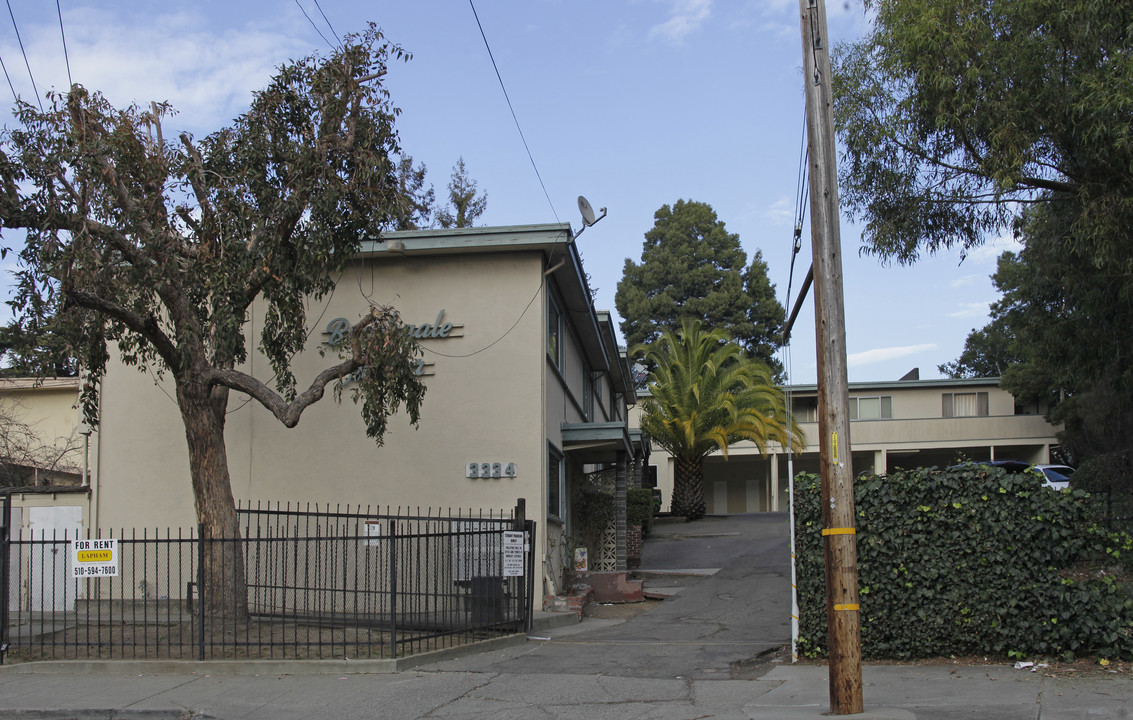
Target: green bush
639	508
966	561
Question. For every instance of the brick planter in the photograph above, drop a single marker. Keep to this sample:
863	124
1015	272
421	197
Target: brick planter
634	542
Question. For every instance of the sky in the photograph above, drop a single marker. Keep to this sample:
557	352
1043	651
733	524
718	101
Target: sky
634	104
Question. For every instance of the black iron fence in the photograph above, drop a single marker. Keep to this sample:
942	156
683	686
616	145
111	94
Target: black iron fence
300	582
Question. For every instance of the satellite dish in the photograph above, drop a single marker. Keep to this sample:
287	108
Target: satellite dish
587	211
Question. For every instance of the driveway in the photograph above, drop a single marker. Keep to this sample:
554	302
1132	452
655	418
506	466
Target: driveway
733	604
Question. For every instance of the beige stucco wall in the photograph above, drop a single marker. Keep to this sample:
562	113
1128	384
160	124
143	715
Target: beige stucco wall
483	404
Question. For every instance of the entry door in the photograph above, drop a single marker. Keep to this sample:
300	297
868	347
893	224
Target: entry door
50	587
720	497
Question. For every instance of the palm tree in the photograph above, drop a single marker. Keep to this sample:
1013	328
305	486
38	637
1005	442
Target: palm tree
706	395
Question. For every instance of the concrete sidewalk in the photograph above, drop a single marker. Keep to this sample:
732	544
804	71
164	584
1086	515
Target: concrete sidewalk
786	692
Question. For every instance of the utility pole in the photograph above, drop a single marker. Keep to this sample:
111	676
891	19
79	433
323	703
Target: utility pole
839	535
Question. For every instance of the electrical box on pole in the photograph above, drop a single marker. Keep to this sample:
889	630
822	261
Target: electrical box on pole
838	530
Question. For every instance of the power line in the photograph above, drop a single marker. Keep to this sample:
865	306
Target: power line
316	27
28	64
333	31
66	57
9	78
512	109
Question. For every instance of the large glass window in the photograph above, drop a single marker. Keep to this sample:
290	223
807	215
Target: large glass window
973	404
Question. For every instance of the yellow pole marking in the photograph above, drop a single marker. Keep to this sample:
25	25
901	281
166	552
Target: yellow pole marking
839	531
834	438
848	606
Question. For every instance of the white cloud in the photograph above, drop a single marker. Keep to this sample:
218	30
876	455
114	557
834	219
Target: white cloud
207	75
687	16
971	310
877	355
780	212
967	280
990	251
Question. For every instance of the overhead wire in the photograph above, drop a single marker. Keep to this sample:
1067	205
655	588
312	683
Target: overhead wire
8	77
512	109
66	56
327	20
312	22
25	54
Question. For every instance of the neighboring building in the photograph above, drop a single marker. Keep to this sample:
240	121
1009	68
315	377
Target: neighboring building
41	441
527	396
894	425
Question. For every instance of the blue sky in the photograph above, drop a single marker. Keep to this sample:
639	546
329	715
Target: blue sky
632	103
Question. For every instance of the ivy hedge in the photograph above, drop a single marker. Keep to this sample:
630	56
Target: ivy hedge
970	561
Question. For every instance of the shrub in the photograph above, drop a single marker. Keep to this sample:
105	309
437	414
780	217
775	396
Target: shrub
970	560
639	508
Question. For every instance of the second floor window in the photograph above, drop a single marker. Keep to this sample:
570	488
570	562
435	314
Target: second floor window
972	404
554	332
877	407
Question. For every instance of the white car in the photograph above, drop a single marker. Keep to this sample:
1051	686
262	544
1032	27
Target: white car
1057	476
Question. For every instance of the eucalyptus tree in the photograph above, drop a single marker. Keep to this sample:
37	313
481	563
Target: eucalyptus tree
966	119
705	395
161	247
955	115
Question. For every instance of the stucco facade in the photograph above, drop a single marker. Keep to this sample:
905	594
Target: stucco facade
515	360
894	425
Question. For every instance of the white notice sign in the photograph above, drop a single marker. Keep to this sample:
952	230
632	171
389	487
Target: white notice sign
513	553
94	558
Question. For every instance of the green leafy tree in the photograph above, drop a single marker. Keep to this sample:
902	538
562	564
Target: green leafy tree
417	199
987	353
34	352
955	114
465	205
693	268
162	249
962	118
705	395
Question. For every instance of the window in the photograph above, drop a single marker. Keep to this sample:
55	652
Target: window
556	481
805	409
588	393
599	381
973	404
877	407
554	332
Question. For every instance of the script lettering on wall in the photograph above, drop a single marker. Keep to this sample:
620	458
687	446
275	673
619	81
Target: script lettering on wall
440	329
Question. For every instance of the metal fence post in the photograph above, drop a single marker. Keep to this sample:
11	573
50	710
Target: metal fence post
393	587
5	575
200	591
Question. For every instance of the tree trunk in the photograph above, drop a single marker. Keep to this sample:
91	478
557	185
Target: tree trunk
225	593
688	489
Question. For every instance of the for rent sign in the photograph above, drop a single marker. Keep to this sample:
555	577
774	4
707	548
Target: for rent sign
94	558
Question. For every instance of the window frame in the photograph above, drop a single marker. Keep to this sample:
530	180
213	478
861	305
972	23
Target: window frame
948	404
555	331
884	407
556	486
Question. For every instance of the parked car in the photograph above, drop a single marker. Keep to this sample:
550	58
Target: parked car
1055	476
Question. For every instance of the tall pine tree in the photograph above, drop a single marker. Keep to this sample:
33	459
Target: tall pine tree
693	268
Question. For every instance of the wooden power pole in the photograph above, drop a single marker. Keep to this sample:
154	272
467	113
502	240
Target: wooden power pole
839	539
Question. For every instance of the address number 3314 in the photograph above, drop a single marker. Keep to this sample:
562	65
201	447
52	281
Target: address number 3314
490	470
